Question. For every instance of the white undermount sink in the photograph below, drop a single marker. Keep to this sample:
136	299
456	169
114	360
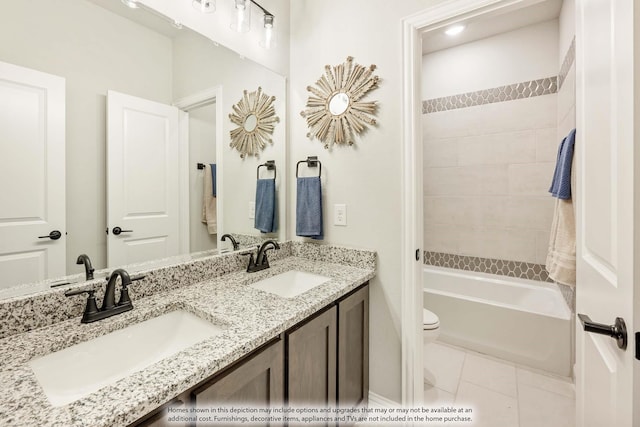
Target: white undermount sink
77	371
291	283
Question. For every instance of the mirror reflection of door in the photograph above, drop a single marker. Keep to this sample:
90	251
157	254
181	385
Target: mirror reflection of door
32	144
143	199
202	149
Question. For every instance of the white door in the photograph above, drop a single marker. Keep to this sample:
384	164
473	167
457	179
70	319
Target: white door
142	180
32	203
607	166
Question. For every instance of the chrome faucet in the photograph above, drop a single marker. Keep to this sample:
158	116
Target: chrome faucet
88	269
235	244
109	307
261	262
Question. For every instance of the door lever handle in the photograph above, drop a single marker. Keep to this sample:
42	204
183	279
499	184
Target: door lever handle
117	231
618	331
54	235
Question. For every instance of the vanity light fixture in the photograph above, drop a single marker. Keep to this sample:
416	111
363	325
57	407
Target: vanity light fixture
133	4
454	30
241	22
267	40
204	6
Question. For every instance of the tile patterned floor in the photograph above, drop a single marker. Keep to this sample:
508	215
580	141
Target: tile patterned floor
502	394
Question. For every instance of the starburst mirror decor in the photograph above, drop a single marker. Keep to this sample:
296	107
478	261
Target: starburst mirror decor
334	111
255	117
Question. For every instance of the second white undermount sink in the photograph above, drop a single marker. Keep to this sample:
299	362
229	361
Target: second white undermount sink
77	371
290	284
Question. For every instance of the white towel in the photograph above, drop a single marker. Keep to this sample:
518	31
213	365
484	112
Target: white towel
561	258
209	212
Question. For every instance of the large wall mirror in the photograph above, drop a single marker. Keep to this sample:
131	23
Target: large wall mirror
121	106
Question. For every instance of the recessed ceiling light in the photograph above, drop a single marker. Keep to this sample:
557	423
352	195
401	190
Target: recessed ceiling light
456	29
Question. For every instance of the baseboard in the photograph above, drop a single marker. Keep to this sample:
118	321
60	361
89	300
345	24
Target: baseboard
377	401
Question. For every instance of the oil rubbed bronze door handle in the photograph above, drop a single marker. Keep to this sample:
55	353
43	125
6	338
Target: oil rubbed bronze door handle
117	231
617	331
54	235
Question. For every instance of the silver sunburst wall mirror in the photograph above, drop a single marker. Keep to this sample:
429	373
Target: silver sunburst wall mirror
335	113
255	117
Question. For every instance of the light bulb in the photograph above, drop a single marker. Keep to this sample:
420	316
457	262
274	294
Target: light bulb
242	19
267	40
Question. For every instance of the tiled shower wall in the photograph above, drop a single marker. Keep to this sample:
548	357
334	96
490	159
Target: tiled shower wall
489	156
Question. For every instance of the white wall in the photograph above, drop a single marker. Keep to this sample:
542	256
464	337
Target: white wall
487	168
94	50
216	26
198	65
524	54
366	177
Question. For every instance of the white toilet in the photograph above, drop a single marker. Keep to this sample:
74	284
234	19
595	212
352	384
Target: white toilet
430	326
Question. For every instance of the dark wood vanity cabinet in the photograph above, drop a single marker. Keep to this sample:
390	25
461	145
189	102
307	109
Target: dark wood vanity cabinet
312	361
259	380
322	361
158	418
353	349
328	356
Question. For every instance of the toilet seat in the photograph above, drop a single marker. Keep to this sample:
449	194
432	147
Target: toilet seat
429	320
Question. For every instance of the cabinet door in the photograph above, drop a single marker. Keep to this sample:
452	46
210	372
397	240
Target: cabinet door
160	417
312	361
257	381
353	349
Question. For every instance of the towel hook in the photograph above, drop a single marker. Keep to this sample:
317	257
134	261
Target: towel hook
200	166
312	162
270	165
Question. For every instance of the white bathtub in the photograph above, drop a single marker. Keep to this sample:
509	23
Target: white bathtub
520	320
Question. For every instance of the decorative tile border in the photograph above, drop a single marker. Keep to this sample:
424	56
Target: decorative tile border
545	86
569	58
522	270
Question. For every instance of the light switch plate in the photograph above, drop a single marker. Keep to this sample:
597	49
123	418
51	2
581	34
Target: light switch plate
340	214
252	210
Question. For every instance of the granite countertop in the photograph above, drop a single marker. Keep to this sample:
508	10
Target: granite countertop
252	318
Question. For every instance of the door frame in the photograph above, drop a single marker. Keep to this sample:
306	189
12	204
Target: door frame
186	104
413	26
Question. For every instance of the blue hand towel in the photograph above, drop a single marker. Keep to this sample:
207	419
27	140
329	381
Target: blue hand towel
265	216
561	183
213	178
309	208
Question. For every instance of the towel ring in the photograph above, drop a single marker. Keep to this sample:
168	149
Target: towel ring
270	165
312	162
